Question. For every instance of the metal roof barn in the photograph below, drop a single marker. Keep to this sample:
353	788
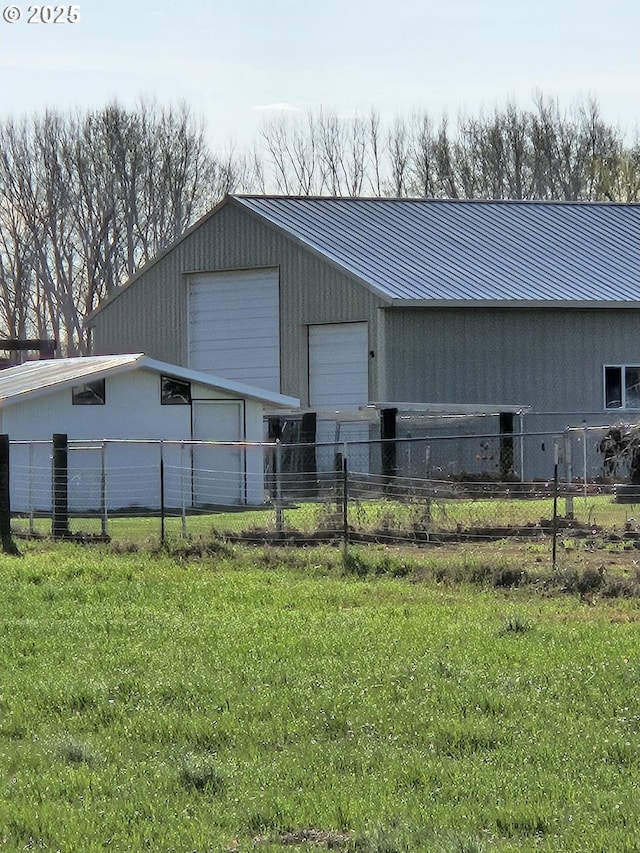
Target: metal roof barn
417	301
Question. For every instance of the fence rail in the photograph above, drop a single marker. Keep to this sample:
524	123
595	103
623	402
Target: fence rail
134	490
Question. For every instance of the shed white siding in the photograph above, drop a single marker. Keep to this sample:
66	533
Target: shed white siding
133	412
234	322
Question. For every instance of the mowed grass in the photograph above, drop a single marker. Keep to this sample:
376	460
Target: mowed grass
259	700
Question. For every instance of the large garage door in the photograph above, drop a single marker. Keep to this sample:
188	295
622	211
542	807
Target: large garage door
338	365
234	326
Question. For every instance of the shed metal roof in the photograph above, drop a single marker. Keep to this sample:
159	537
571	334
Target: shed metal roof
35	378
415	251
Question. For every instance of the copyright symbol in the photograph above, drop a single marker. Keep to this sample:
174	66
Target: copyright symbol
11	14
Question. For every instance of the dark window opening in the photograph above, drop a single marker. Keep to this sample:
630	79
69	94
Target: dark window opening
175	392
89	394
622	387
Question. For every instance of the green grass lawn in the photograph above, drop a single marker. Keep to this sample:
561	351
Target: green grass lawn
263	700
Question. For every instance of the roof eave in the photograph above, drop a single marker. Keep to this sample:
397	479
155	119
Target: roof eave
72	381
273	398
513	303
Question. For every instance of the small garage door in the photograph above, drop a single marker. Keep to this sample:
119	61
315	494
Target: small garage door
234	324
338	365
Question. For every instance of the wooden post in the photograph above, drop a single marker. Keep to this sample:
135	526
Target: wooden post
60	483
8	545
388	434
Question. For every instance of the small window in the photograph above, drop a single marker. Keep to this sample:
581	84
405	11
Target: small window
622	387
175	392
89	394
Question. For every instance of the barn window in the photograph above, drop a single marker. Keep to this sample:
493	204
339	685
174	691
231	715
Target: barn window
174	392
88	394
622	386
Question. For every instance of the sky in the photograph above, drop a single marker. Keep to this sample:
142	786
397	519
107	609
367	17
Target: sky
238	63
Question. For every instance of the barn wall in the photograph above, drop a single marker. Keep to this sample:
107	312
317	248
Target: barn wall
551	360
150	315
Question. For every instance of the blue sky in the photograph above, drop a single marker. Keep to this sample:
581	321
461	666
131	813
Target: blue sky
237	62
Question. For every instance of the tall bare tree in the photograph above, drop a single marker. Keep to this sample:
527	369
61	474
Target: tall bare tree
85	199
546	152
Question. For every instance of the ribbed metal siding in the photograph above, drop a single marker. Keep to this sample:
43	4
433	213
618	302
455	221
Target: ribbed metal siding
549	359
151	315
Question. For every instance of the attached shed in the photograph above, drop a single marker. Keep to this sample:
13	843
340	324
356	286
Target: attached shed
127	405
344	302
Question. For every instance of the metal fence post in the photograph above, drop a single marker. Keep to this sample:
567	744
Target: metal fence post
584	463
162	510
183	492
30	499
60	497
568	467
277	473
555	506
8	545
103	488
345	504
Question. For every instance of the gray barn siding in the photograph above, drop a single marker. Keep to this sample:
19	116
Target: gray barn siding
549	359
150	315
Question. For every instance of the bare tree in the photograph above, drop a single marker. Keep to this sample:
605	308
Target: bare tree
399	154
86	198
292	148
617	174
543	153
374	144
17	319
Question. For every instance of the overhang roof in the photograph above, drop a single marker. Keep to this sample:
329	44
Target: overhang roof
371	411
36	378
431	251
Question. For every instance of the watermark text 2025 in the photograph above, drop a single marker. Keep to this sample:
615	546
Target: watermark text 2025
41	14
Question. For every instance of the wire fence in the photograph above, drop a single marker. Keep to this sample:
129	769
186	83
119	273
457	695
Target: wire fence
444	488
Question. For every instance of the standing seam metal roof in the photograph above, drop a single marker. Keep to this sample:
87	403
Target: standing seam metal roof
39	377
432	250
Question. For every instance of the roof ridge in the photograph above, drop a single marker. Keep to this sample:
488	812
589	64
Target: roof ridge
433	200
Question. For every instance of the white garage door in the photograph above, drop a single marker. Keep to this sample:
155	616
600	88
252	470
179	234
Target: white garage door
234	326
338	365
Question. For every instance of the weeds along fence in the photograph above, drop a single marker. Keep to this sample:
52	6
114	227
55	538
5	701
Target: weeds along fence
419	490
